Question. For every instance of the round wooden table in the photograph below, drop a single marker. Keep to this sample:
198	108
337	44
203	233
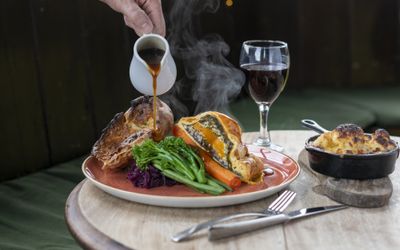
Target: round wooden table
98	220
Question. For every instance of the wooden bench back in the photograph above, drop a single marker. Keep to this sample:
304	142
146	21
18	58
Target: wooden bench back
64	74
64	64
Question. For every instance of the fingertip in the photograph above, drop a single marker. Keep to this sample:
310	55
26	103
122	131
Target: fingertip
159	28
161	32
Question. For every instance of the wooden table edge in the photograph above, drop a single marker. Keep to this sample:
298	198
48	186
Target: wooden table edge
87	236
84	233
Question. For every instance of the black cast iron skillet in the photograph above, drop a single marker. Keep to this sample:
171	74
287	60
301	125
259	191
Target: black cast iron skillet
366	166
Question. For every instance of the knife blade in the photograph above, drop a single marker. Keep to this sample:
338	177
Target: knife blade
226	230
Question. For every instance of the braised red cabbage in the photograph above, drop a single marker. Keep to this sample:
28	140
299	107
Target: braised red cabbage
149	178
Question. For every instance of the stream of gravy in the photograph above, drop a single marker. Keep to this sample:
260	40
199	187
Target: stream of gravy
153	57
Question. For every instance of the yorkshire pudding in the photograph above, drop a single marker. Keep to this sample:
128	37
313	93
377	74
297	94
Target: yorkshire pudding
113	148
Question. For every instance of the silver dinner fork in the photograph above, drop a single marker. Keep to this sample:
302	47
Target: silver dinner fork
276	207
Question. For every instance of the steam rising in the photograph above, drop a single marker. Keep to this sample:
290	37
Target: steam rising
210	80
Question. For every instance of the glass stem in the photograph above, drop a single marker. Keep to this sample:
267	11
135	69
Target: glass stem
264	132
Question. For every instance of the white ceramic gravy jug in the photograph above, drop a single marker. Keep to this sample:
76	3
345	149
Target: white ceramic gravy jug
139	71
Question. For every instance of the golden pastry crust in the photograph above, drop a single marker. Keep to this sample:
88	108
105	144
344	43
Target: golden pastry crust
220	136
351	139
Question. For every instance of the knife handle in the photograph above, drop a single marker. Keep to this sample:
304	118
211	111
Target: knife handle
226	230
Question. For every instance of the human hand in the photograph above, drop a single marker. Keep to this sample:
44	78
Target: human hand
143	16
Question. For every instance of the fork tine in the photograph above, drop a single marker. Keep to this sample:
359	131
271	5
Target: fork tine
287	202
278	200
282	201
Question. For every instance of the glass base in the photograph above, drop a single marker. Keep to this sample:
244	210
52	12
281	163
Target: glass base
262	142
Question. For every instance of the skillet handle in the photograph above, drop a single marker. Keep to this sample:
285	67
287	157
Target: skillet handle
311	124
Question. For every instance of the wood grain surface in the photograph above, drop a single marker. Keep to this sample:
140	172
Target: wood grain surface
358	193
82	230
148	227
63	81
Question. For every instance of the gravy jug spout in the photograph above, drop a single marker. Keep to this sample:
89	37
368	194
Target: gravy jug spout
152	70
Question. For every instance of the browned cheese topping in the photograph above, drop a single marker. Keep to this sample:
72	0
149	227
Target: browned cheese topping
351	139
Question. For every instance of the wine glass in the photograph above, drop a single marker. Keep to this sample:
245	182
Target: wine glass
266	64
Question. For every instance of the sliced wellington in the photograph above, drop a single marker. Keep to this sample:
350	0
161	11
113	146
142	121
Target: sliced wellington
220	136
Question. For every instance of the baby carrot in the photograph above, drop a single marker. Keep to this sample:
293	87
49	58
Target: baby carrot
220	173
212	167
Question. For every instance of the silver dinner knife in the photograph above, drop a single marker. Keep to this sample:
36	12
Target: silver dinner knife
217	232
277	206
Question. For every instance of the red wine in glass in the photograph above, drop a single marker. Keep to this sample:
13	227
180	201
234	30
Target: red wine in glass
266	81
